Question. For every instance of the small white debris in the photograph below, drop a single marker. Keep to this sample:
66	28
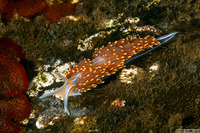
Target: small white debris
154	68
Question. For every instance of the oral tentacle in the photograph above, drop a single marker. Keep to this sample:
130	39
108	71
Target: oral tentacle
67	90
51	93
60	76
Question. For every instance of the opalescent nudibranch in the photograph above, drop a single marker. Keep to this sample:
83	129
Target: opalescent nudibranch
105	61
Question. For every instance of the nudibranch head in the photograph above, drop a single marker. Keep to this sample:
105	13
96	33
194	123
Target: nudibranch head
66	90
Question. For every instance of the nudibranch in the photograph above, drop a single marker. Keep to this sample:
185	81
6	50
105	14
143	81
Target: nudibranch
105	61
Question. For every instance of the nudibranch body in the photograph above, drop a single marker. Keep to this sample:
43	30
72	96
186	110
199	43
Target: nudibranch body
105	61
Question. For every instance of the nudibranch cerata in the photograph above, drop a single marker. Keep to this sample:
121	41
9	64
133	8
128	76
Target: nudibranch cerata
105	61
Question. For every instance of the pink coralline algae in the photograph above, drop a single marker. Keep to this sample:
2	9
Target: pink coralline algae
14	106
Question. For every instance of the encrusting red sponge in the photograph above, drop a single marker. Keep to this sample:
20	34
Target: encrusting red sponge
9	126
14	108
6	9
13	76
56	11
10	49
15	105
31	8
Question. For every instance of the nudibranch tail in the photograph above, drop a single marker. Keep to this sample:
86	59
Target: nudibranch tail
165	38
105	61
162	40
